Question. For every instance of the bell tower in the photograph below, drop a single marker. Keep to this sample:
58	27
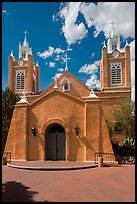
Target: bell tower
23	74
115	73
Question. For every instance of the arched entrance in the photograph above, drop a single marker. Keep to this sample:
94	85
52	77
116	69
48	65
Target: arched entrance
55	147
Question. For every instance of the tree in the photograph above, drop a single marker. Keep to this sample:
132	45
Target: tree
124	116
9	99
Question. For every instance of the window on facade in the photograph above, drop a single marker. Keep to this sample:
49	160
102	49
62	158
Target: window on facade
116	73
20	80
114	45
23	54
66	87
66	84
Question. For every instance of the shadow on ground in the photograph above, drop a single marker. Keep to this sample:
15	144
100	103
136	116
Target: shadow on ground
13	191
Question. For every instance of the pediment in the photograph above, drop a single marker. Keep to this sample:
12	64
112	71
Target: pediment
77	88
54	93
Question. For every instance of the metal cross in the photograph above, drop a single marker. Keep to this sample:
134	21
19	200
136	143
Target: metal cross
25	32
66	59
113	23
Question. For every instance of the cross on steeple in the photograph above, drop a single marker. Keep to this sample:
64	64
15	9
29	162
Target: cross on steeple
66	59
25	32
112	23
25	40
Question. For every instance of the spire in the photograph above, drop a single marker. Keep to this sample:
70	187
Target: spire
112	32
25	43
11	54
37	64
126	43
56	85
104	45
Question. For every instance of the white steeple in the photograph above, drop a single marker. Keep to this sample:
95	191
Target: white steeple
104	44
11	55
112	32
55	85
113	40
126	43
37	64
24	50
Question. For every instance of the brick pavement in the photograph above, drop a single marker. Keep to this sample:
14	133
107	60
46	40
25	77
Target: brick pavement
106	184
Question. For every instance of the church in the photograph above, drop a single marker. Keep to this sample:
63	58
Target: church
66	121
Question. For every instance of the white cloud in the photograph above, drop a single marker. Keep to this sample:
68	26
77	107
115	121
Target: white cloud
99	15
73	32
92	55
90	68
57	76
5	12
93	82
60	69
50	52
52	64
46	53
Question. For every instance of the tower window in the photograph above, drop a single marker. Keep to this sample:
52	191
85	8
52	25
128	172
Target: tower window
116	73
23	54
20	80
114	45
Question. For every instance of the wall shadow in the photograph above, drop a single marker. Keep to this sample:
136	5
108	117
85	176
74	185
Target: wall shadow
13	191
85	141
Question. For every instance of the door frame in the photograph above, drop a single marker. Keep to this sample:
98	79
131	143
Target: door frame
43	129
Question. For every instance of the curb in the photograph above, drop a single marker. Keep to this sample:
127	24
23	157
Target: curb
52	168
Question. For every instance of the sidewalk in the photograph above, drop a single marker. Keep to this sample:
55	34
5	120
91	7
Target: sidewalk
105	184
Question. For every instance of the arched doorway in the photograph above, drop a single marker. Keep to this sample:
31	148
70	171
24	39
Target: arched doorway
55	147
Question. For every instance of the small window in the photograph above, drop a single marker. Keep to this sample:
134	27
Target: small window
66	87
114	45
23	54
66	84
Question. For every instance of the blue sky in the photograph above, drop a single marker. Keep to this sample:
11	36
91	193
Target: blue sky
54	27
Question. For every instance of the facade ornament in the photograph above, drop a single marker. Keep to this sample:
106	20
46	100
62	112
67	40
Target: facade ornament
92	94
23	99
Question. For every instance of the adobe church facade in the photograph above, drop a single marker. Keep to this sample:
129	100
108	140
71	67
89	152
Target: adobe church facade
67	121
